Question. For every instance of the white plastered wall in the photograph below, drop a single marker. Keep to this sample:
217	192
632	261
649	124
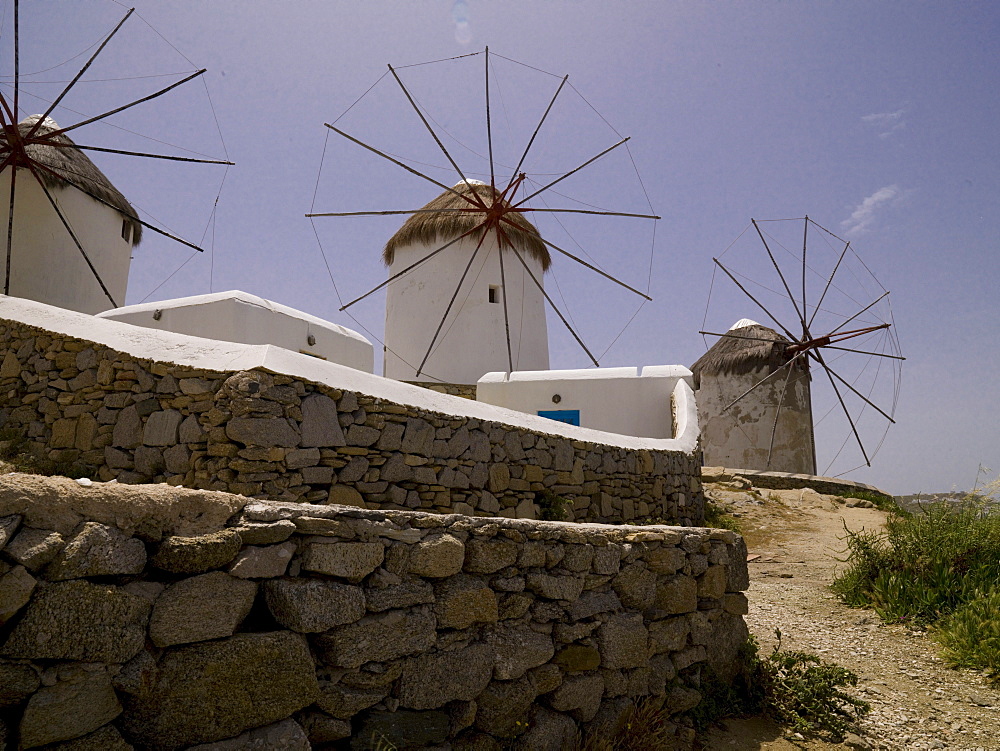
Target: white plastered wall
241	317
740	436
473	339
616	400
46	265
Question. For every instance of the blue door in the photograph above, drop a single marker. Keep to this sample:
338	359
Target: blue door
568	416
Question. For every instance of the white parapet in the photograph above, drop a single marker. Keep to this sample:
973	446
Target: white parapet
616	400
236	316
210	354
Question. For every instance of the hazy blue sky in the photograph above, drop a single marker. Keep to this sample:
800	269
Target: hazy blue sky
877	119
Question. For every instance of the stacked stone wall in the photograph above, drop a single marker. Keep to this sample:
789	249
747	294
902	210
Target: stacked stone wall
114	416
167	618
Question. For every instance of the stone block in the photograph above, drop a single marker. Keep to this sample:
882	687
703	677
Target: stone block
162	428
149	461
18	681
712	583
77	620
209	606
127	433
266	534
8	525
554	587
267	677
16	587
463	600
516	649
502	709
592	603
402	595
432	680
263	431
489	556
263	562
378	638
78	703
343	702
579	695
195	555
578	658
624	642
362	435
313	605
345	495
286	735
677	594
98	550
636	586
669	635
320	426
437	557
34	548
348	560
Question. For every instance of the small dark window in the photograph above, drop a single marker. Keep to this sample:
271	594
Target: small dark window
126	230
494	293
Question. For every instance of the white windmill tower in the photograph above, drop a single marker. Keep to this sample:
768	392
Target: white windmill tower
86	269
477	306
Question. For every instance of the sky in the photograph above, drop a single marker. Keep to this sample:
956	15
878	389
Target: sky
877	120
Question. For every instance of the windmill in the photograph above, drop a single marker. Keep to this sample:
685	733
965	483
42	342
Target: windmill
68	231
465	286
823	367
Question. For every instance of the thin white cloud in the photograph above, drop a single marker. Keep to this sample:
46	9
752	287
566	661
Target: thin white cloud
886	123
863	216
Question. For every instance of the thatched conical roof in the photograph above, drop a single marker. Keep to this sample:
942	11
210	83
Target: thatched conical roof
431	229
77	168
743	352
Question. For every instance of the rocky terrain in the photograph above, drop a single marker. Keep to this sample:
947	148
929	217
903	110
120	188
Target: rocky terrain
795	542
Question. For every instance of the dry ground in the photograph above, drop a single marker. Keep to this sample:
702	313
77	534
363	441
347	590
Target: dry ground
918	702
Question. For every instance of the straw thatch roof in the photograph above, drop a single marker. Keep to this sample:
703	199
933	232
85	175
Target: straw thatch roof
431	229
77	168
742	352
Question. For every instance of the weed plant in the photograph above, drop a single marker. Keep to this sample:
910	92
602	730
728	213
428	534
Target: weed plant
716	518
798	690
938	569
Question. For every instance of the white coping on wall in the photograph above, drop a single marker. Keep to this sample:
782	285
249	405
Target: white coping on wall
237	316
627	400
209	354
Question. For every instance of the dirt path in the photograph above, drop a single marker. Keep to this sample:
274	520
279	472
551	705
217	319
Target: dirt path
917	701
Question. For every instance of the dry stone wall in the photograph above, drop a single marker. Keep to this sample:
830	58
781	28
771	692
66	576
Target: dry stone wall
114	416
161	618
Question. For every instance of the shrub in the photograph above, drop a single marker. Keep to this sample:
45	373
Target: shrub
938	569
797	689
552	507
717	518
923	566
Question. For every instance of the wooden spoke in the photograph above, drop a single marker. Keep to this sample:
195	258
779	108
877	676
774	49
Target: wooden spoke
584	263
88	121
571	172
759	304
404	166
475	196
517	169
71	84
780	275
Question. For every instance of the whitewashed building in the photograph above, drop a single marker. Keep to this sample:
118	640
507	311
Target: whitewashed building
247	319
